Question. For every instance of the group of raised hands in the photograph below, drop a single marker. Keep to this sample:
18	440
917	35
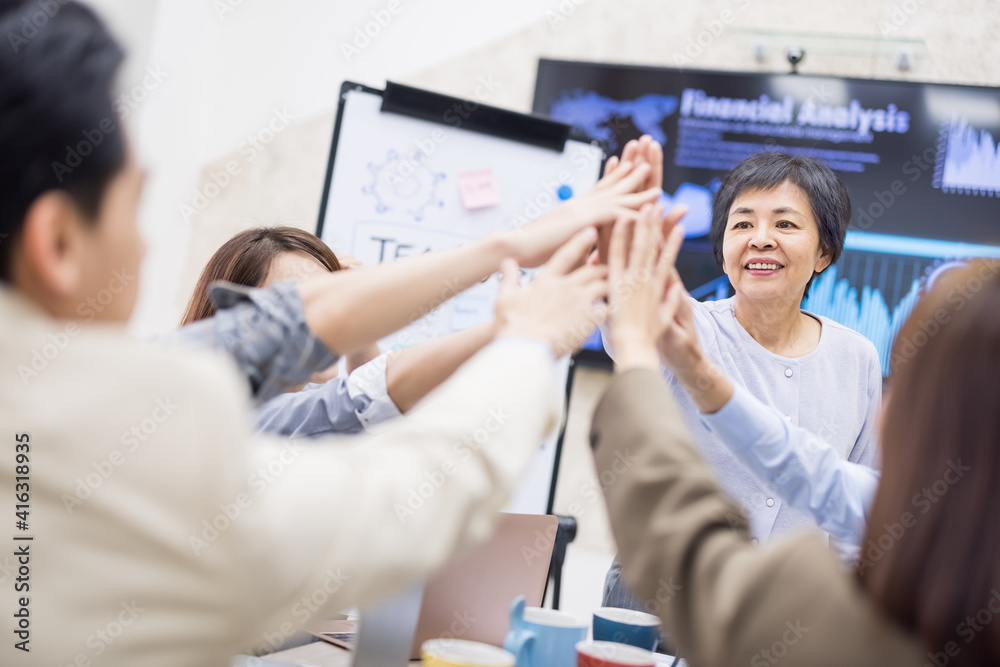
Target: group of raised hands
629	280
608	255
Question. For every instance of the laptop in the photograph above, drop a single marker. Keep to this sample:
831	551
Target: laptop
468	598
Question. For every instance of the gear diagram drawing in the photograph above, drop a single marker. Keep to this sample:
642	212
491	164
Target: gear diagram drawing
404	185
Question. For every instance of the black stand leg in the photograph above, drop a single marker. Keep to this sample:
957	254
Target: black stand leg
565	534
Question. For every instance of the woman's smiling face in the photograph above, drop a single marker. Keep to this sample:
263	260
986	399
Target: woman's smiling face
771	244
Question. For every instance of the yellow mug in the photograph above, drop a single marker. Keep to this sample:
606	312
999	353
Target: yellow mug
462	653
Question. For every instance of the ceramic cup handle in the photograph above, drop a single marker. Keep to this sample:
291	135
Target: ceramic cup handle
521	647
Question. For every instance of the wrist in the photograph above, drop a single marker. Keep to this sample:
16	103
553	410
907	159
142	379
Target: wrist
498	247
633	350
637	357
698	373
523	330
492	329
625	341
707	385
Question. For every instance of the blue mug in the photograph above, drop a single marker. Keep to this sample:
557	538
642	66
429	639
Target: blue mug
543	637
625	626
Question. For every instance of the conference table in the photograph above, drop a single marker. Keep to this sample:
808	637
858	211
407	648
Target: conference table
317	654
322	654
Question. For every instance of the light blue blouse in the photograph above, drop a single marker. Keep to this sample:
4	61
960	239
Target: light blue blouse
803	470
834	393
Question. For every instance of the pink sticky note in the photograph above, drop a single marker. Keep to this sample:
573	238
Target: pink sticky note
478	189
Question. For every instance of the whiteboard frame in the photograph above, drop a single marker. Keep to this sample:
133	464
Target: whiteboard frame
570	134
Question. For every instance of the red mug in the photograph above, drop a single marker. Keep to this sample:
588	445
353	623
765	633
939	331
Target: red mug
611	654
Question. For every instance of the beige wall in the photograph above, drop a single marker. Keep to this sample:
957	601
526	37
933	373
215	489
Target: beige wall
949	40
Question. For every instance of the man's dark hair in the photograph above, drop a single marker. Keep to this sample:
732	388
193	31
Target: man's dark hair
58	126
827	194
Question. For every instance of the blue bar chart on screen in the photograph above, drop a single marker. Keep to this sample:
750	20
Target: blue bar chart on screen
876	283
969	162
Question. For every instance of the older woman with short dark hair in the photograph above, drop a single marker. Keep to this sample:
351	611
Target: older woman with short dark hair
778	222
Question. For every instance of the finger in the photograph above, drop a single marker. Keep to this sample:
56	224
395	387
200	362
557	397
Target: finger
654	156
581	261
629	214
685	314
641	238
595	258
572	253
645	253
671	302
673	217
631	152
642	150
634	181
616	254
639	153
668	255
637	199
596	292
587	274
611	164
675	277
510	280
622	169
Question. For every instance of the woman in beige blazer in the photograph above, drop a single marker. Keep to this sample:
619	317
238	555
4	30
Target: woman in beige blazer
927	588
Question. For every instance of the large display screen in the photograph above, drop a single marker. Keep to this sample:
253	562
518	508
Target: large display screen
921	162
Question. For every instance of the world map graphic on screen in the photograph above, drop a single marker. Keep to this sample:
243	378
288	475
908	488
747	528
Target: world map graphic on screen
597	115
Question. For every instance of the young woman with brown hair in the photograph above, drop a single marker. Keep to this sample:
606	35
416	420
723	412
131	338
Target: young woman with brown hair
260	256
378	387
250	258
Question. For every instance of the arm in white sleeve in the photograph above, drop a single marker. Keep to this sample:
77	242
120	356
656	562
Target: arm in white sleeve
361	522
340	405
803	470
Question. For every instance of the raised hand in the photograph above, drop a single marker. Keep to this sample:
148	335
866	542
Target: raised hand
562	305
641	151
682	354
638	151
618	195
678	344
639	274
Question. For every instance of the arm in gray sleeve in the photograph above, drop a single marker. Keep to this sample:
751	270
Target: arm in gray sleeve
806	472
342	405
265	333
